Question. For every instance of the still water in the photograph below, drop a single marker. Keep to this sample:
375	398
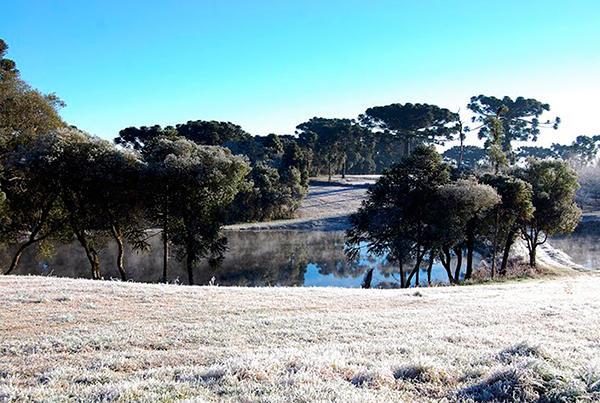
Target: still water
277	258
583	246
254	258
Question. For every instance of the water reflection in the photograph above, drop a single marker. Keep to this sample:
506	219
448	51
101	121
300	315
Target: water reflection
583	246
267	258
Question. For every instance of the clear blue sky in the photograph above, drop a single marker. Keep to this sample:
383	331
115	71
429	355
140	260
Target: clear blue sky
269	65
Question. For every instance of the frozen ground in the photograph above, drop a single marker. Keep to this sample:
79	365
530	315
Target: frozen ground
65	339
325	208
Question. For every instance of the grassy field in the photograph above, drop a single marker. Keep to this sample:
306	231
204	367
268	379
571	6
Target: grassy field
64	339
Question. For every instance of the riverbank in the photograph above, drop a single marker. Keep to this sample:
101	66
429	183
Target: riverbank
68	339
326	207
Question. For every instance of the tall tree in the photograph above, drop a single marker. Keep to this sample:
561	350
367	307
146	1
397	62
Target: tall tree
24	111
329	140
462	208
582	152
553	184
32	211
519	119
413	124
395	217
510	215
203	182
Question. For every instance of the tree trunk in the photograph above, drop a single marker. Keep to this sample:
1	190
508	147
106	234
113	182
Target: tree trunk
91	254
402	277
462	150
446	260
470	249
415	269
329	169
17	256
165	239
32	236
430	267
120	251
368	279
189	263
417	277
406	147
458	253
344	169
532	255
506	253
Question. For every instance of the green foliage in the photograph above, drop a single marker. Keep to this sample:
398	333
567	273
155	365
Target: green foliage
515	210
396	216
413	124
554	185
200	183
24	111
473	157
199	131
518	118
582	152
337	144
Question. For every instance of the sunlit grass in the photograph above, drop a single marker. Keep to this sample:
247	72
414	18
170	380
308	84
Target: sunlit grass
62	339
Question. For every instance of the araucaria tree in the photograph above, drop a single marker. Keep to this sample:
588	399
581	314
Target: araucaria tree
395	218
554	184
503	121
413	124
202	182
508	217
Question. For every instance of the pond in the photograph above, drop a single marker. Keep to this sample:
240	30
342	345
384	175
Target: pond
254	258
277	258
583	245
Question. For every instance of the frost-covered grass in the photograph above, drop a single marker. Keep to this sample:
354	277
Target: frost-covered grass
63	339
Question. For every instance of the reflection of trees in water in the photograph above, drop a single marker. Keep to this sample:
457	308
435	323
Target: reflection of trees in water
281	257
583	245
253	259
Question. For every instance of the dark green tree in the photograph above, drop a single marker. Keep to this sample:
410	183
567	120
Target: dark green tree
413	124
395	217
32	212
519	120
582	152
460	211
328	138
203	181
554	185
472	157
507	218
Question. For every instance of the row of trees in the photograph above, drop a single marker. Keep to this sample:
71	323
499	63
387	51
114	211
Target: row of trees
60	184
581	153
66	185
421	211
384	134
277	181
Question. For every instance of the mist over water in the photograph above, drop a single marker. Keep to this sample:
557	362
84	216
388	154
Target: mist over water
583	245
254	258
274	258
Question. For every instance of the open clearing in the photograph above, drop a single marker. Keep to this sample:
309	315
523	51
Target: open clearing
66	339
326	207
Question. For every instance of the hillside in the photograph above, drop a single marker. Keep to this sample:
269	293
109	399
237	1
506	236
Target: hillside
105	341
